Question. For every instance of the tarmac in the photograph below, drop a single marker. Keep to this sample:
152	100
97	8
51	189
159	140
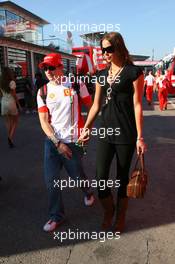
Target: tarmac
150	223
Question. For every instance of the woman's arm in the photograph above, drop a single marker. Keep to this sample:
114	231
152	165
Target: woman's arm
12	86
92	113
138	94
13	93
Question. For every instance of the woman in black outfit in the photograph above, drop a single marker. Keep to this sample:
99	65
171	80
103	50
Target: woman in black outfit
121	85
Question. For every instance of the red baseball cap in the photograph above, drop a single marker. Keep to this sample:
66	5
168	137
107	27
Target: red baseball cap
52	59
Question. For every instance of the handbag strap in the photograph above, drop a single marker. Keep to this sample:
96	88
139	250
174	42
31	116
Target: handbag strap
140	163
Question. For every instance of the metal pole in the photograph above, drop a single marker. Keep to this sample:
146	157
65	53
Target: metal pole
152	54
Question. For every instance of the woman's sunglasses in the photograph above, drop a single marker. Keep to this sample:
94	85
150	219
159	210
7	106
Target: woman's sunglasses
109	49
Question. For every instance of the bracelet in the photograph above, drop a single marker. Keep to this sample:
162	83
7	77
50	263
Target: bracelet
141	138
54	140
58	144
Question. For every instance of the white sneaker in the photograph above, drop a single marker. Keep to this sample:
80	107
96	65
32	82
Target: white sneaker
52	225
89	199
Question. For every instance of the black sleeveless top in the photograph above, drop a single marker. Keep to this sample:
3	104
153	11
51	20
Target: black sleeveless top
118	115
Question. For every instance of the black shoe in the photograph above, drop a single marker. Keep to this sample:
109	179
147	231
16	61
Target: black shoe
10	143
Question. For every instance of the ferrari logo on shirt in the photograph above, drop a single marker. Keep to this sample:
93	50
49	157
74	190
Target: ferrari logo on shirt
68	92
51	95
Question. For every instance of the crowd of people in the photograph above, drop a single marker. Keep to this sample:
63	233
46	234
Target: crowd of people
160	84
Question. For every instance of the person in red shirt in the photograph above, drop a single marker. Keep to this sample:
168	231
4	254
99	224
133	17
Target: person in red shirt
162	83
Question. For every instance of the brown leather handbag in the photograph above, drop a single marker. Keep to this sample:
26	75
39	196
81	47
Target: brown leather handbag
137	184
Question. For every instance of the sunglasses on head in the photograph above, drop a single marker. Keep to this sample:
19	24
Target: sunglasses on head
109	49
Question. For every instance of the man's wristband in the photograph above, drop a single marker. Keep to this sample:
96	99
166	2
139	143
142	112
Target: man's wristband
58	144
55	141
140	138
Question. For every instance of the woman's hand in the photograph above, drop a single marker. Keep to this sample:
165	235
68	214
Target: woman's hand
141	146
20	108
85	136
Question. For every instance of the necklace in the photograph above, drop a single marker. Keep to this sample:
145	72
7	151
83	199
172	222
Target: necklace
111	80
112	76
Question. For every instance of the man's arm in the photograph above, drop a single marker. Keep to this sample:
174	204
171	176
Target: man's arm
46	127
48	130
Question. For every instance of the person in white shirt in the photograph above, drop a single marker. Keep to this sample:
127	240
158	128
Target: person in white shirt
9	103
60	117
149	81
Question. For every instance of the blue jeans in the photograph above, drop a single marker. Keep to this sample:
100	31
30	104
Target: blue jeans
53	163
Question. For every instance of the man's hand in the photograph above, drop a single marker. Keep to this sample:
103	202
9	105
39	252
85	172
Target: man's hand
65	150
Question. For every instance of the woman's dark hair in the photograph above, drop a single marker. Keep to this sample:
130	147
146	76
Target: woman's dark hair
118	43
6	77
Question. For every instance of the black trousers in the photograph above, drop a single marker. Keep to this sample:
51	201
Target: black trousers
105	154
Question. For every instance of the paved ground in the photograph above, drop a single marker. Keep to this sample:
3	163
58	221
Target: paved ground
149	236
